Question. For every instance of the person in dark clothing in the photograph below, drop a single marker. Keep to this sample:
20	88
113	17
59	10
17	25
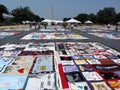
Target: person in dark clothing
116	28
45	25
39	25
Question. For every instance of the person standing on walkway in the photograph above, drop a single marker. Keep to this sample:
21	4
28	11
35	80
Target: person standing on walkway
45	25
116	28
39	25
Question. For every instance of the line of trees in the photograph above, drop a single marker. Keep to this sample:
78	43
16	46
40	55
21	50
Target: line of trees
105	16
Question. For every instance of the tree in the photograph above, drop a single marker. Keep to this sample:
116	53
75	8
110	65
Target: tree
107	15
24	14
37	18
3	10
65	19
92	17
82	17
117	18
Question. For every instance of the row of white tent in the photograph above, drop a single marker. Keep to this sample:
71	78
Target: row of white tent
52	21
68	21
58	21
28	22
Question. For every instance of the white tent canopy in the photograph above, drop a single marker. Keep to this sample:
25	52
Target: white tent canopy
58	21
88	22
46	20
52	21
73	21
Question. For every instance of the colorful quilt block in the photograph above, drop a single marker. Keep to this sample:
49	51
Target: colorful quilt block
92	76
93	61
70	68
106	61
43	82
114	84
116	61
100	57
67	62
80	62
88	57
109	75
74	77
43	63
12	82
4	61
86	68
79	86
21	65
100	86
109	67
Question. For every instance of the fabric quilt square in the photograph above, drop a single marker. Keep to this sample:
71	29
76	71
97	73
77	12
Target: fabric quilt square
92	76
79	86
112	56
100	57
109	75
117	73
2	67
11	53
102	51
93	61
5	60
116	61
64	52
109	67
88	57
60	46
12	82
67	58
70	68
21	65
80	62
43	63
78	57
100	86
74	77
81	51
43	82
114	84
106	61
86	67
67	62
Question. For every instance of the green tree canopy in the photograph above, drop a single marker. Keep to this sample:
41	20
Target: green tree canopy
82	17
3	10
107	15
24	14
92	17
65	19
117	18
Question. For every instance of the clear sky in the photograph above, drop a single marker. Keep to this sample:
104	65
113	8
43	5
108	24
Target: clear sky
62	8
